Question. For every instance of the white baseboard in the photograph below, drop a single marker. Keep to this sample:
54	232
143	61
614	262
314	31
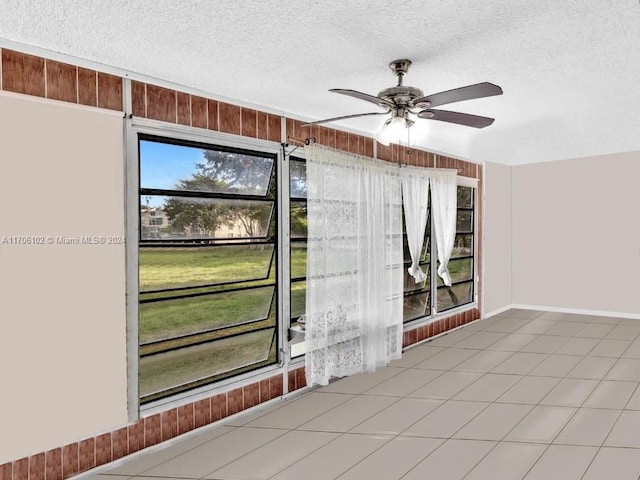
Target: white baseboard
597	313
497	312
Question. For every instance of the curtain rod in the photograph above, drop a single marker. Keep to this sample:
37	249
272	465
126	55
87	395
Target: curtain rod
310	140
297	142
300	143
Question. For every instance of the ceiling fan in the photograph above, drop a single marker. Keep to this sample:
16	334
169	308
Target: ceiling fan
401	101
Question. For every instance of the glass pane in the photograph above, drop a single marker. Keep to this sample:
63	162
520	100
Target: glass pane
298	179
465	197
425	254
297	349
173	267
181	218
176	167
428	227
298	299
463	246
449	297
464	221
298	259
410	282
298	219
171	318
166	370
416	306
459	270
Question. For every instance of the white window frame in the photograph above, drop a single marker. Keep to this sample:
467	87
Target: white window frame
133	128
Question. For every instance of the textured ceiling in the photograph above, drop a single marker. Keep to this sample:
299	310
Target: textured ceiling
570	69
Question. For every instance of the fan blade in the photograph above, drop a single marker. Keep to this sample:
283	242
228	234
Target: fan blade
343	117
363	96
466	119
479	90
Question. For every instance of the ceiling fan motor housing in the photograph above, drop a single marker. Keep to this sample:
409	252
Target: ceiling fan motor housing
400	95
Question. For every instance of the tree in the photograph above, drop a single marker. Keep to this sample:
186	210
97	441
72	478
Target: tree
254	218
238	173
298	175
298	211
189	214
298	220
224	172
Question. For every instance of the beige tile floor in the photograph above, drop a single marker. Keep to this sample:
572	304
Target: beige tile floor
523	395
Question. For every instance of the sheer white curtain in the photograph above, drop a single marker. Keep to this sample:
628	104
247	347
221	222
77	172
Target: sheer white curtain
444	203
415	199
354	265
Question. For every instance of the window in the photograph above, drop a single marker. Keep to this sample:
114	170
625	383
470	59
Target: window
207	264
298	244
208	293
461	262
417	297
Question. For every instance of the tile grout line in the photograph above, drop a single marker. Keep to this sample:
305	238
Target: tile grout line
566	423
341	434
470	420
502	440
398	435
451	398
181	453
286	430
527	414
207	475
577	410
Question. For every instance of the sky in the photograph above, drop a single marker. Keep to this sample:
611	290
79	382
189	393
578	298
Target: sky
163	164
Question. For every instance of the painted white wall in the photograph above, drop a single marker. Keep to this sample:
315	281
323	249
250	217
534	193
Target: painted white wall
576	234
62	307
497	237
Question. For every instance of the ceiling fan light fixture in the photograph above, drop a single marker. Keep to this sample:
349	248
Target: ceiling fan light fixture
393	128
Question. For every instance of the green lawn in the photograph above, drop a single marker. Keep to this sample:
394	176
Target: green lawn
459	270
181	267
202	362
298	260
298	270
161	320
298	298
216	354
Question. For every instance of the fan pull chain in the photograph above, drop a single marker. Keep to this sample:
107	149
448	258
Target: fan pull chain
408	150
